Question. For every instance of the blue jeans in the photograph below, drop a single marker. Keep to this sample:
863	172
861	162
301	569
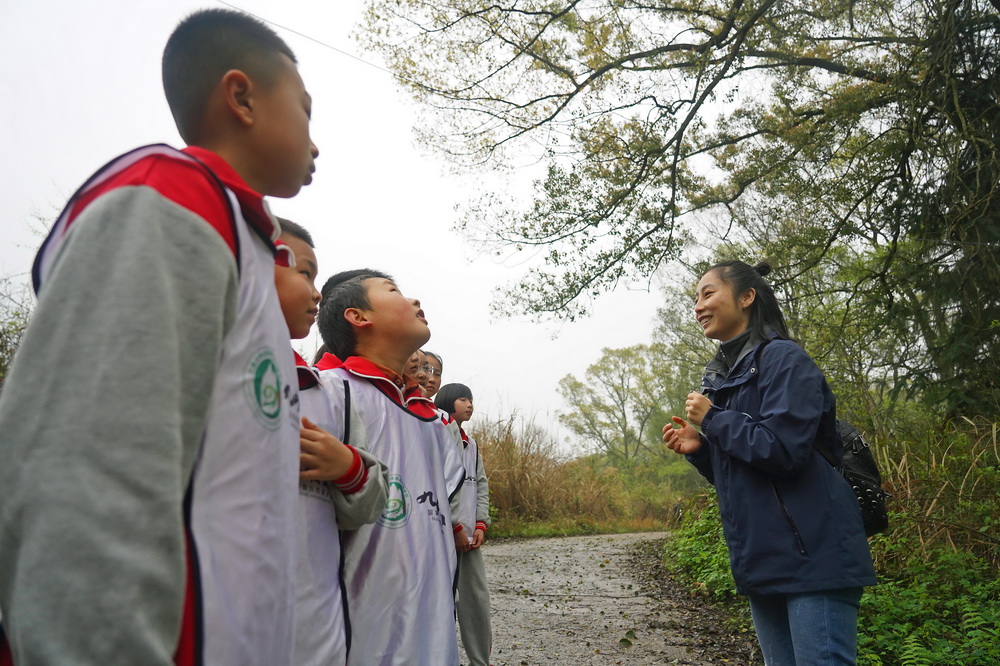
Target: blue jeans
807	629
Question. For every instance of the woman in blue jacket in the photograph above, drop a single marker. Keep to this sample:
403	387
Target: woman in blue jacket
796	541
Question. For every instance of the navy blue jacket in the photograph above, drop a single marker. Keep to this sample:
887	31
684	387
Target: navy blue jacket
792	523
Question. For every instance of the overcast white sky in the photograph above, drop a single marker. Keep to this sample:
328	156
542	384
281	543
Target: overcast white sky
82	84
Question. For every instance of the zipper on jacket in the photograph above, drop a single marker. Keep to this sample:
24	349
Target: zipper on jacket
788	518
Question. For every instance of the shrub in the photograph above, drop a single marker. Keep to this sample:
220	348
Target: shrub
946	611
697	551
938	597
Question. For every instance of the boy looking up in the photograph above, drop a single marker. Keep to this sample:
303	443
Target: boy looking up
341	486
149	458
399	573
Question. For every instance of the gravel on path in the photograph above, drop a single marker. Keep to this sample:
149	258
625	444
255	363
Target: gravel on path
599	600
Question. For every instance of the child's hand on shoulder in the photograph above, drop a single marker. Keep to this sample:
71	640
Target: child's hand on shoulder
323	457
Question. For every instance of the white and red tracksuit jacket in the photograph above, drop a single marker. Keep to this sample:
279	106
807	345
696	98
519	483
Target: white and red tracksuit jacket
325	508
474	509
150	429
399	573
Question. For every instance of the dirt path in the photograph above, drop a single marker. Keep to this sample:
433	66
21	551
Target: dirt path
578	600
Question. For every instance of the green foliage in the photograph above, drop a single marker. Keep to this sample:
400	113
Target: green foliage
613	406
697	552
620	406
945	611
863	139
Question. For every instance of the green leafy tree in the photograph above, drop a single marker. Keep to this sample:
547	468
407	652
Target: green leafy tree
614	406
863	360
627	396
873	126
619	410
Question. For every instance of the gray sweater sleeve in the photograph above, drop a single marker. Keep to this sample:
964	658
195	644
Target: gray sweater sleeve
453	458
366	505
102	415
482	493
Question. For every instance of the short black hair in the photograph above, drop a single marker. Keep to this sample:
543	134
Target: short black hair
206	45
340	292
296	230
448	394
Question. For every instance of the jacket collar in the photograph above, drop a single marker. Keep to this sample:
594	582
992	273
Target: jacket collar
255	209
328	362
308	377
408	397
718	369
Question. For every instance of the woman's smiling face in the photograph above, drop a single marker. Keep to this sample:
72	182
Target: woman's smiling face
721	315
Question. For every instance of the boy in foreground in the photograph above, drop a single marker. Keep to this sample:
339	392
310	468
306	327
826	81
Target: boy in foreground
399	572
341	486
150	422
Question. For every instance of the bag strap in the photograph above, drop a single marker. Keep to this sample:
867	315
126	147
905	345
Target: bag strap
825	452
820	448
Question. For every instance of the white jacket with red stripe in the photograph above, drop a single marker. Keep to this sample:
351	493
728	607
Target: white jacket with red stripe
399	573
149	455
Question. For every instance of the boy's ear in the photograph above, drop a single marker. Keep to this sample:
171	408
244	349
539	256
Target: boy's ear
237	90
356	317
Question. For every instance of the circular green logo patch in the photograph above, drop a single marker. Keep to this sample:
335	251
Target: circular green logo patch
397	509
263	388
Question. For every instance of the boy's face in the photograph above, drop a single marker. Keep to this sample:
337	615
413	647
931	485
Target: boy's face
413	364
395	315
284	151
296	287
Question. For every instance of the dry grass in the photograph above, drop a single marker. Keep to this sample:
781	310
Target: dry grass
531	485
946	488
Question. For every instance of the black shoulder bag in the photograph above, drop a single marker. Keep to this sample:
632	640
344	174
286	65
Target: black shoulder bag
859	469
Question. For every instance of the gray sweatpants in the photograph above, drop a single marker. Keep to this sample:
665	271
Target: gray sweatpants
474	608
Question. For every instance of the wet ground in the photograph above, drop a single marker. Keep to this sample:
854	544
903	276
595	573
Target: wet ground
601	600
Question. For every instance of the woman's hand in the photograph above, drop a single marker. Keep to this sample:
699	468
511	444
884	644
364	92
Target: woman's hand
682	439
696	406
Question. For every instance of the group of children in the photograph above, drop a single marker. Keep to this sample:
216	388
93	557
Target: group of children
180	487
393	498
